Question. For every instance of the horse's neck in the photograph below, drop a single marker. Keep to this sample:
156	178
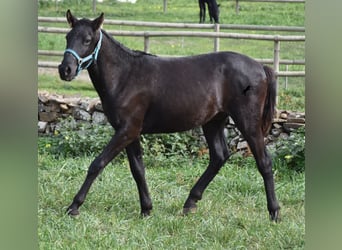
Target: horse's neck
113	62
115	53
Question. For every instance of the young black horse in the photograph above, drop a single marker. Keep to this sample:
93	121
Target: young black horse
142	93
213	9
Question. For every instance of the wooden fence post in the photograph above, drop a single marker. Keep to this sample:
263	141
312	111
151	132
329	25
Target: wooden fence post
237	7
217	39
94	6
146	43
165	6
286	78
276	59
276	56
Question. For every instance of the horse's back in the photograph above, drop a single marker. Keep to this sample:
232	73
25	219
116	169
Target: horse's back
190	91
197	77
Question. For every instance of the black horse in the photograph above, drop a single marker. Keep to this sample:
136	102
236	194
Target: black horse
142	93
213	9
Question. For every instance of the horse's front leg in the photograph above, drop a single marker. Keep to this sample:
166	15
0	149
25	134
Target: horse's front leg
118	142
134	154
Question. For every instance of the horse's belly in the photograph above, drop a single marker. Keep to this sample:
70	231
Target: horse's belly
178	119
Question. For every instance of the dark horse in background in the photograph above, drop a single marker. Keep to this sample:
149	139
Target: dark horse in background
142	93
213	9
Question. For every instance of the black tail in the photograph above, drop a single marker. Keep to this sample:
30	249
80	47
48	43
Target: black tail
270	100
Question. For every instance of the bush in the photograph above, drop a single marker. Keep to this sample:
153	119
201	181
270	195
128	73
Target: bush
73	138
291	151
182	144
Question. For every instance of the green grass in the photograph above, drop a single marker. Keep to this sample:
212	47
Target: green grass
231	215
53	84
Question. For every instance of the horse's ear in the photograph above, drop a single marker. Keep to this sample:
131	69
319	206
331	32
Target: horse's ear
71	19
97	23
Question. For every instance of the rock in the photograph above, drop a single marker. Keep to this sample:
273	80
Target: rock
47	116
42	126
81	114
276	125
278	120
289	127
275	132
98	106
91	106
283	116
296	115
295	120
52	106
242	145
84	104
43	97
64	107
99	118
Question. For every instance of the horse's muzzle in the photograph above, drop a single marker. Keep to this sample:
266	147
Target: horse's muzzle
65	72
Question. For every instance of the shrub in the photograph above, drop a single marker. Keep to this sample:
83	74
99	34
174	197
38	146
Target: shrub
181	144
73	138
291	151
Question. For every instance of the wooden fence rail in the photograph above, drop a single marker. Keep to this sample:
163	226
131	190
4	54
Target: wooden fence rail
185	25
186	34
216	35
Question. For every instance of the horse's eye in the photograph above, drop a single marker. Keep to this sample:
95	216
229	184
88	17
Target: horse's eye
87	41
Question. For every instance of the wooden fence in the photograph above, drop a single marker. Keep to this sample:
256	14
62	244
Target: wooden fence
237	5
216	34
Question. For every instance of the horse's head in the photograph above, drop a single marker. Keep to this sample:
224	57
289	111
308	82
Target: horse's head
83	44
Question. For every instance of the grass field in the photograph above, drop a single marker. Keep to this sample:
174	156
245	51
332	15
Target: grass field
232	214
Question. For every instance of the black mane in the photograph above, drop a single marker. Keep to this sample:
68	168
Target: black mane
133	53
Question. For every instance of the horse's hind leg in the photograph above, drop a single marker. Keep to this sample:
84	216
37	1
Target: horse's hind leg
138	171
218	152
254	136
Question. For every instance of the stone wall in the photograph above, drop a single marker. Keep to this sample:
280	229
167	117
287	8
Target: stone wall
52	108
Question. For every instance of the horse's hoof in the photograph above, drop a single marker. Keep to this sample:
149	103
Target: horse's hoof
72	212
189	210
275	216
145	213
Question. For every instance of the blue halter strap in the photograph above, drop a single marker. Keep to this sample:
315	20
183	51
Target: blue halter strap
88	60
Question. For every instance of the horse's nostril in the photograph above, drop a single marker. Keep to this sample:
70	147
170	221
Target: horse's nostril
67	70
